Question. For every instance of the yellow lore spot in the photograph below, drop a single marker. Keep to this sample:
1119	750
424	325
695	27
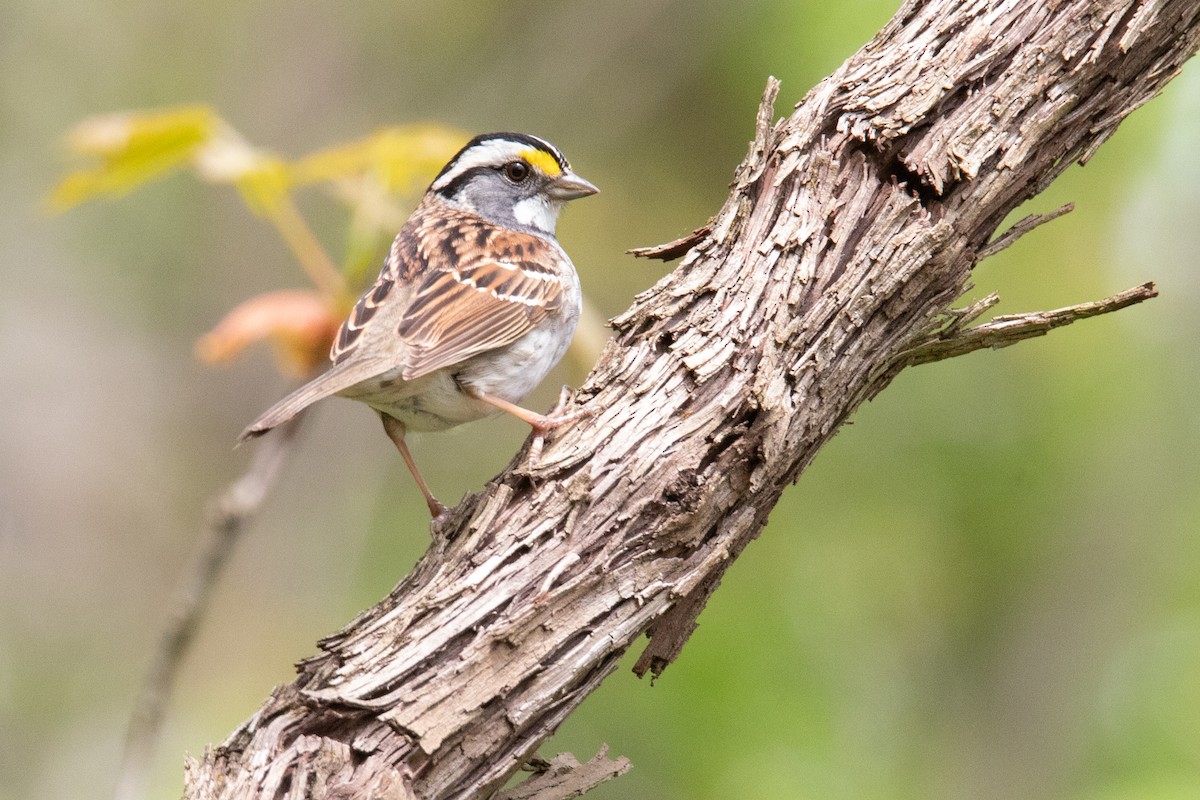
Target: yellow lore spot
542	160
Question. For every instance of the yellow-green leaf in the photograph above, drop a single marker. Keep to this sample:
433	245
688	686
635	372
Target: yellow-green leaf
132	148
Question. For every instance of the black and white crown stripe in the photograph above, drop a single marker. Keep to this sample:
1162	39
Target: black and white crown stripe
493	150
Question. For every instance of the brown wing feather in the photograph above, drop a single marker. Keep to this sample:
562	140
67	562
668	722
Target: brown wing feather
468	306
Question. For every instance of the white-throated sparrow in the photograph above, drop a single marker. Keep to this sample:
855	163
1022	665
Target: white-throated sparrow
475	303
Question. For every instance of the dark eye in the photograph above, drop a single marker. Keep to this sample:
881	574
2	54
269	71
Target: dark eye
516	171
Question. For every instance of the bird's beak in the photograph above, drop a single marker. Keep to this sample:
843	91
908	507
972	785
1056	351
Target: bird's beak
569	186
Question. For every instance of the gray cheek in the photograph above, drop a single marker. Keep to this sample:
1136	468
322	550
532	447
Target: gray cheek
493	198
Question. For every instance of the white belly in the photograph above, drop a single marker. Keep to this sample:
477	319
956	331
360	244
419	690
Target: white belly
437	401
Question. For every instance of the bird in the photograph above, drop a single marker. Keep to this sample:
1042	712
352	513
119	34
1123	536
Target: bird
476	301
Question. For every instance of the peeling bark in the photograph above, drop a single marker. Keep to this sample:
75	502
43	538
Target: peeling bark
850	228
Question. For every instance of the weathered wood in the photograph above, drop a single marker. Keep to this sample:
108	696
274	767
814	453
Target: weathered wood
850	228
565	777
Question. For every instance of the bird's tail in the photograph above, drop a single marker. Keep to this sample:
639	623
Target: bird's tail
341	376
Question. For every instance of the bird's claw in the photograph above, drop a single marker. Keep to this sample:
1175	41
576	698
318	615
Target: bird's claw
555	419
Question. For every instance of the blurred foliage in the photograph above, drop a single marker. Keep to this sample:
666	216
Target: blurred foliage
985	587
372	175
132	149
299	324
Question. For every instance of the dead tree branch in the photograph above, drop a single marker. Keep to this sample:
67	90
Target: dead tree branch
850	228
1009	329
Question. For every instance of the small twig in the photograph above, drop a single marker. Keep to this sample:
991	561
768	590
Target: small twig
1022	227
564	777
948	324
1011	328
229	512
760	145
961	317
673	250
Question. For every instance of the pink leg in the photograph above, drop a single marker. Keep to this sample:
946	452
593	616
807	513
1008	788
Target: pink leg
395	432
541	423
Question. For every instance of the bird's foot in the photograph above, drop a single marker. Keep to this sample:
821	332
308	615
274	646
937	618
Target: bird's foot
544	423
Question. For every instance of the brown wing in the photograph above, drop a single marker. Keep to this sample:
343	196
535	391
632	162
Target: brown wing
466	286
489	287
476	307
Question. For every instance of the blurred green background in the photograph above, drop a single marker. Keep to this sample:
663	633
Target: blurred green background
987	586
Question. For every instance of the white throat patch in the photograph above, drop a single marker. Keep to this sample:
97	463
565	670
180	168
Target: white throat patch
537	212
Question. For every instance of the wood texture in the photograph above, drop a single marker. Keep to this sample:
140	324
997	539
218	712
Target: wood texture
851	227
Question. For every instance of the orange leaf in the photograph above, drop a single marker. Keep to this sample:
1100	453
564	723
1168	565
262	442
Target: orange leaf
299	324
